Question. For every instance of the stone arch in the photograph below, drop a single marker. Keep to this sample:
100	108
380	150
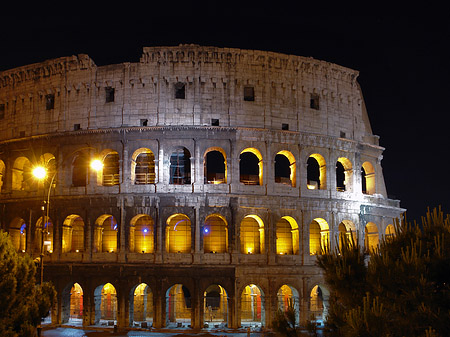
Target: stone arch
215	166
318	236
347	229
73	234
18	234
287	236
252	235
252	306
141	306
215	234
143	167
285	168
180	166
178	306
318	303
215	306
344	174
109	173
72	304
367	178
105	301
44	234
142	234
22	177
316	172
251	167
371	237
80	169
390	232
178	234
106	233
288	296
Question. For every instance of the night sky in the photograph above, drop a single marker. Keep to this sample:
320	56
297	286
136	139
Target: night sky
403	62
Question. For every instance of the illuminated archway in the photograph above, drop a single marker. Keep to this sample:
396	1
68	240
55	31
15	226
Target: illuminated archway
287	235
251	167
18	234
143	167
318	236
344	174
215	234
141	305
106	234
285	168
178	306
73	234
252	306
180	167
105	299
390	232
288	297
347	231
178	234
142	231
215	306
318	303
44	228
215	166
22	177
371	237
316	172
367	178
252	235
72	304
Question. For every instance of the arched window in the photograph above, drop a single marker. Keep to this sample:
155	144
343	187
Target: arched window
316	172
215	167
73	234
215	235
368	178
178	234
347	232
106	234
318	236
251	167
180	167
371	237
110	176
142	234
18	233
252	305
80	167
285	172
22	177
252	235
287	236
390	232
143	167
44	226
343	174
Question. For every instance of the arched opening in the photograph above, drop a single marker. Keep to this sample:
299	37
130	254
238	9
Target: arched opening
22	177
367	178
143	167
343	174
141	306
288	297
72	305
105	300
215	234
215	166
18	234
250	167
285	170
287	236
80	166
252	235
178	306
142	231
215	307
111	169
73	234
178	234
318	236
347	231
252	306
316	172
318	303
371	237
180	167
2	173
390	232
44	228
106	234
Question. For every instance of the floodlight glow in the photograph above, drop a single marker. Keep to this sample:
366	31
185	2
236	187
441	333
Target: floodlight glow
96	165
39	172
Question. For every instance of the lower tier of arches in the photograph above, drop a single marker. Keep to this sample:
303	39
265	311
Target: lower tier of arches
188	297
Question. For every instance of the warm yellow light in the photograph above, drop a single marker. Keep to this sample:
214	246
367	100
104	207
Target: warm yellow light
311	186
39	172
96	165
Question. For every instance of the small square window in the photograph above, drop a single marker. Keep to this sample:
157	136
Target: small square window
284	126
76	127
342	134
214	122
144	122
180	90
314	102
249	94
109	92
2	111
49	102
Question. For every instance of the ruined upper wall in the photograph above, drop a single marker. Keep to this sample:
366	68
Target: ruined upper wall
214	80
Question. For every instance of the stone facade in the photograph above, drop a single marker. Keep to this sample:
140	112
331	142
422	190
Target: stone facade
174	108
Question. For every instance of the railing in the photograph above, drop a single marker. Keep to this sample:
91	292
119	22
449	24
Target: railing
110	179
144	178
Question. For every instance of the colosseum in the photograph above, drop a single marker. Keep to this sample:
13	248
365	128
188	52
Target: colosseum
191	189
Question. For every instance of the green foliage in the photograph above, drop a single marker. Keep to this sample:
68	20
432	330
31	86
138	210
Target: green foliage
284	322
22	302
403	290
